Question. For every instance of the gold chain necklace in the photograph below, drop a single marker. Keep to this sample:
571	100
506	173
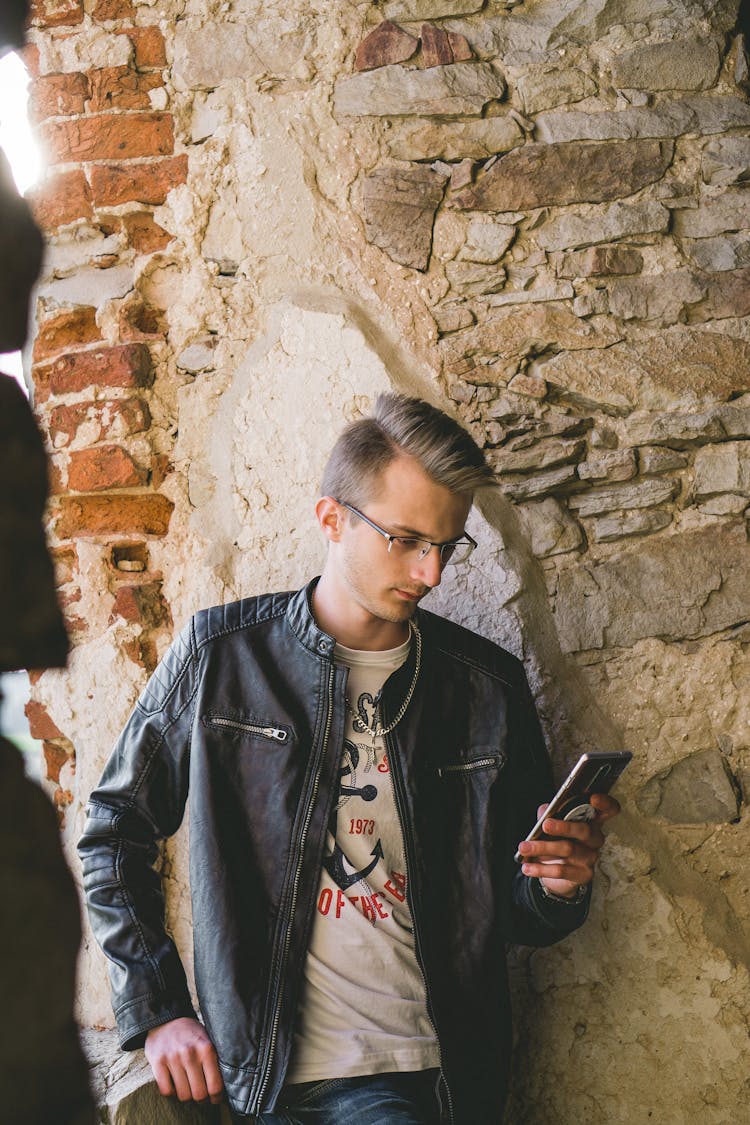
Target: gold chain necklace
380	731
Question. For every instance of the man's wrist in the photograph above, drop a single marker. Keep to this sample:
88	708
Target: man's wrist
574	899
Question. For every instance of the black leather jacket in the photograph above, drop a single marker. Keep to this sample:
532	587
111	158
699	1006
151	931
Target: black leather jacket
245	718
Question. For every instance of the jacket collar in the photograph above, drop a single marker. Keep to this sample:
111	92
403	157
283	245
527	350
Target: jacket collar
303	624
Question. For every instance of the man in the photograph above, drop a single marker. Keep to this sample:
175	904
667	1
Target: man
359	773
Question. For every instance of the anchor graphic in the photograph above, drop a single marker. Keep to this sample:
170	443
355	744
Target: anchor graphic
335	865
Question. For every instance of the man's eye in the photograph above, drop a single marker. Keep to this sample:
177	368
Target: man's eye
407	544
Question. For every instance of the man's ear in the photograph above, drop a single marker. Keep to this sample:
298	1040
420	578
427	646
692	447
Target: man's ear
330	517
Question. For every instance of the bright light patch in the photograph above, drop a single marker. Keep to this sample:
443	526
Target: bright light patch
15	133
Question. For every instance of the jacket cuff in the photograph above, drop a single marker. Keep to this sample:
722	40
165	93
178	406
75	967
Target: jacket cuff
559	913
136	1018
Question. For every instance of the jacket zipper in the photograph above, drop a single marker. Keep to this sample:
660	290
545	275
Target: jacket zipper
278	734
398	782
282	960
477	764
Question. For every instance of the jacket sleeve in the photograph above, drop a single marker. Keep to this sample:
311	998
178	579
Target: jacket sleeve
535	919
138	802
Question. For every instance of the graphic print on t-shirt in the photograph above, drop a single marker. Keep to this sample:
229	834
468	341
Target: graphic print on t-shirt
336	863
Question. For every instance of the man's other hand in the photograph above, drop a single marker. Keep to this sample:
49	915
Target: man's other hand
184	1061
567	862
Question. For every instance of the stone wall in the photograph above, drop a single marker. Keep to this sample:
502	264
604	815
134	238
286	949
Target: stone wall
535	214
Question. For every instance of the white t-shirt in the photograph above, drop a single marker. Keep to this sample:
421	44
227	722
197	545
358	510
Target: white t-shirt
363	1008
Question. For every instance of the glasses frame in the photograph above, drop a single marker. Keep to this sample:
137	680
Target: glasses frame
465	539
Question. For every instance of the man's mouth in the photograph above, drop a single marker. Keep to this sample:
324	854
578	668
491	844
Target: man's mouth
410	595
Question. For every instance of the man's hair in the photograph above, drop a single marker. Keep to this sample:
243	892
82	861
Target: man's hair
403	426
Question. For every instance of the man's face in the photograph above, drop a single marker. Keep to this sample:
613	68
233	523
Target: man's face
405	502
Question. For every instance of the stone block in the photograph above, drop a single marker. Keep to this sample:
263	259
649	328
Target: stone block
108	137
527	330
722	468
624	497
726	161
81	517
398	208
699	115
88	286
541	484
655	371
539	175
727	294
103	467
624	525
602	224
452	140
541	455
665	297
550	528
429	9
675	587
393	91
727	252
542	88
618	465
698	789
563	291
61	199
487	241
452	318
598	261
441	47
145	183
385	45
686	64
530	385
654	459
727	212
473	279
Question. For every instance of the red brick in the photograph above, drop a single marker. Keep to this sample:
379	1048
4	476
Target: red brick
120	87
148	44
40	724
124	365
141	603
440	47
104	466
55	13
65	331
108	419
113	10
146	183
55	95
29	55
139	321
56	755
143	234
94	516
61	199
388	43
108	136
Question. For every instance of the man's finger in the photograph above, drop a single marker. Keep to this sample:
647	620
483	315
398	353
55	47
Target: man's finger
163	1078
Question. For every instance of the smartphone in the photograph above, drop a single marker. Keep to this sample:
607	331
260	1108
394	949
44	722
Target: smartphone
592	773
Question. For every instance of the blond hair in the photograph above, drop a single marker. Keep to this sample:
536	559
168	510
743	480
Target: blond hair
403	426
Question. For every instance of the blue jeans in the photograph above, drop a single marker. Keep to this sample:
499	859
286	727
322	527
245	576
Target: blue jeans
372	1099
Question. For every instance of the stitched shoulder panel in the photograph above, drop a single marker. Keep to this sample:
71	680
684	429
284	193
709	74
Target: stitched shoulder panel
462	644
169	672
220	620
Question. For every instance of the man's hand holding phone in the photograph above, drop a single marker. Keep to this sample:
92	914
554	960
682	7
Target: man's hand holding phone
567	862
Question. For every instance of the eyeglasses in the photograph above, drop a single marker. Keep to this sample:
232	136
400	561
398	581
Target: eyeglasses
454	551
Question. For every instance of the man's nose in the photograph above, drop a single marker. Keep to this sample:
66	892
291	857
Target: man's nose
428	570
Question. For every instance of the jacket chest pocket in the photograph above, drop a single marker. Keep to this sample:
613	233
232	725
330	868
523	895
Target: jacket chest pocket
249	726
475	763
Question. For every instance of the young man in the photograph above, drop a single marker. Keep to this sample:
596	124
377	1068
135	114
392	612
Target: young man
359	773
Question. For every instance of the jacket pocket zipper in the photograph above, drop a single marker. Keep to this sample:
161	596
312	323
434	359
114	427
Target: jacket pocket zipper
277	734
495	760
